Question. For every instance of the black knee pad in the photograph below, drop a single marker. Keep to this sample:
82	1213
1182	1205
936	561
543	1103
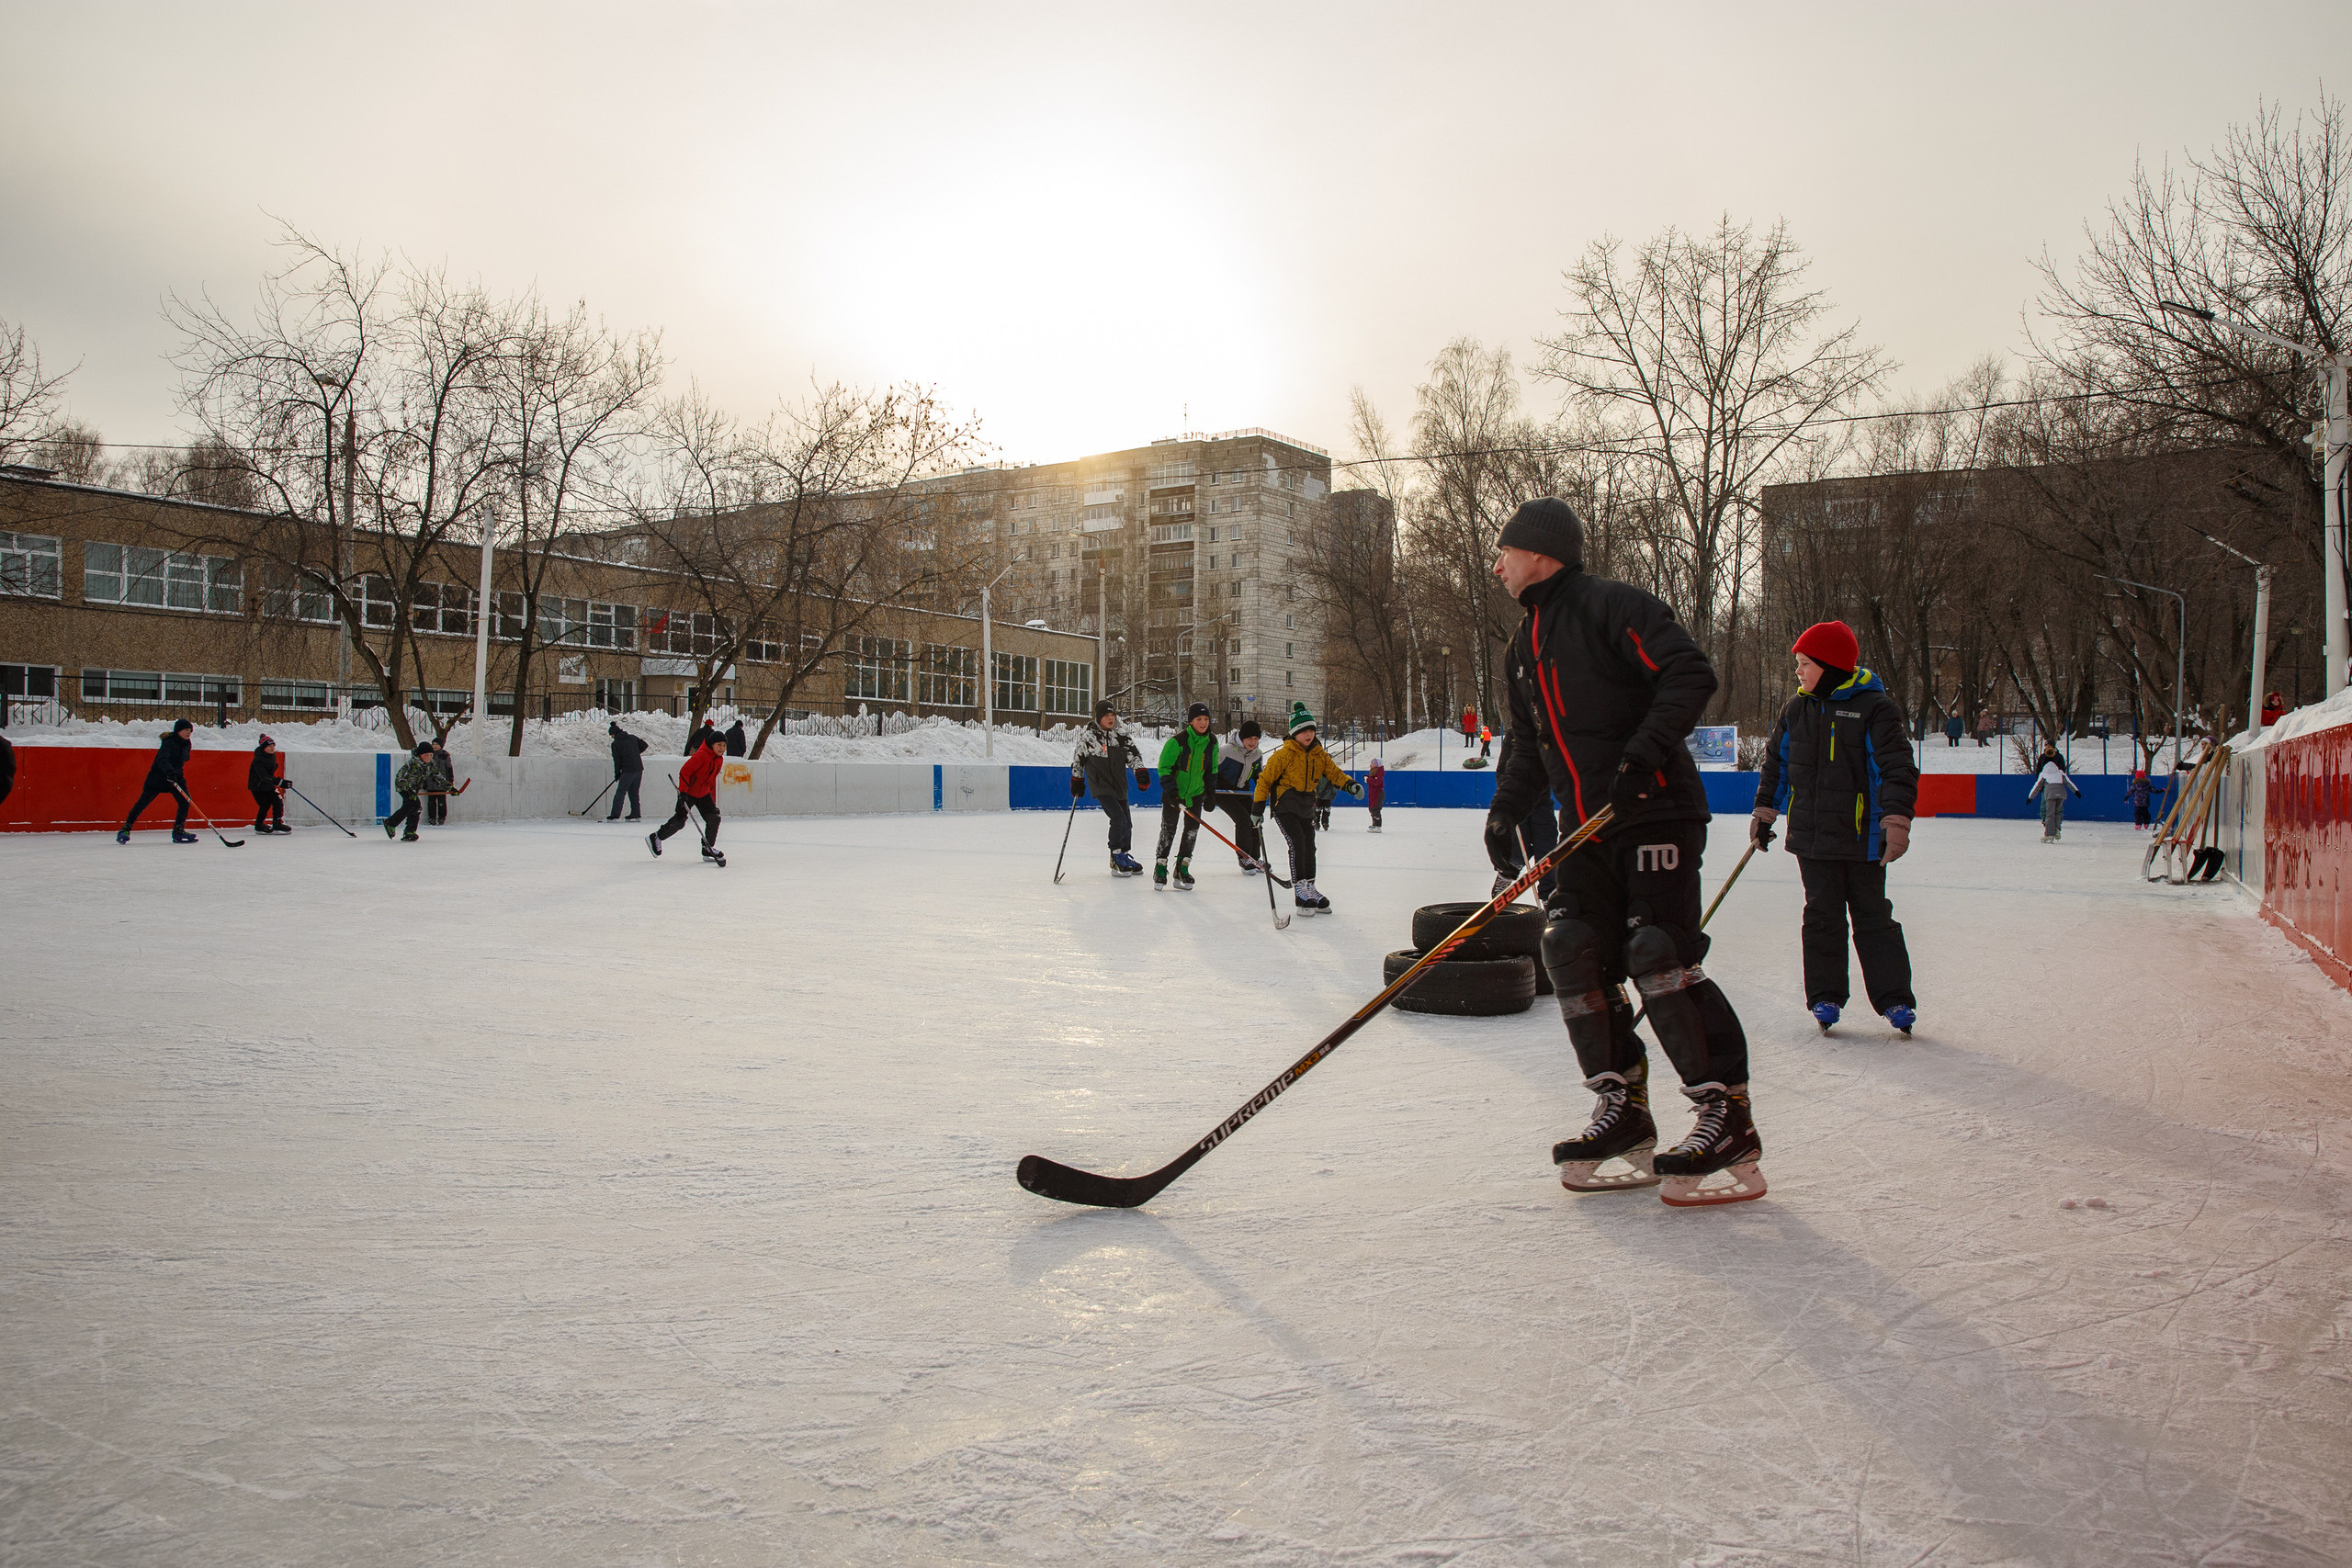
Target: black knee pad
1651	950
1572	954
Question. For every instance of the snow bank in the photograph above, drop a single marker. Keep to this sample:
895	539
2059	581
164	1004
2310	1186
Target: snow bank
936	739
2308	720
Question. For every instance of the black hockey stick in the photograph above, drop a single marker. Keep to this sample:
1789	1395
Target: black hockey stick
600	795
317	808
1065	1184
232	843
1237	849
1067	826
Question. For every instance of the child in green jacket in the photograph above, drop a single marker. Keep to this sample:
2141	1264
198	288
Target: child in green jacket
1187	778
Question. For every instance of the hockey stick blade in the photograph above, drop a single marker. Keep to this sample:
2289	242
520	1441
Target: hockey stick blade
1067	1184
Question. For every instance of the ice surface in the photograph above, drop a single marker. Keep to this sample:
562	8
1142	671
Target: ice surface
512	1198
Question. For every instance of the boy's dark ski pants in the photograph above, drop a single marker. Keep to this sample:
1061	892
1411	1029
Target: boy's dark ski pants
1833	890
706	805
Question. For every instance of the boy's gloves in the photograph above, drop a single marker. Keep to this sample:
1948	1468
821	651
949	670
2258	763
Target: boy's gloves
1897	833
1759	826
1631	788
1077	786
1143	778
1502	846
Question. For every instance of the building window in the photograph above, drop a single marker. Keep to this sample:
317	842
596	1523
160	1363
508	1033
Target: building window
951	677
442	607
763	644
612	626
376	601
297	596
445	701
31	564
879	669
1016	683
616	697
1289	649
1286	680
164	580
149	686
1069	686
310	696
38	681
1171	533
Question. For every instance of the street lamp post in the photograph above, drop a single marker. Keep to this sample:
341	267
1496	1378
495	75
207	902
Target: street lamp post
2261	631
987	672
2334	436
2180	654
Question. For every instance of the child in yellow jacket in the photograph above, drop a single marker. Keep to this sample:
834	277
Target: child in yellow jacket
1287	782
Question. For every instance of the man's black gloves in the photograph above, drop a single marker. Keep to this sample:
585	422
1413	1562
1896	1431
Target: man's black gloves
1632	788
1502	845
1077	786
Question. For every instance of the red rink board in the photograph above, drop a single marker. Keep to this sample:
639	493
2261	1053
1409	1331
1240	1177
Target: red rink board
79	789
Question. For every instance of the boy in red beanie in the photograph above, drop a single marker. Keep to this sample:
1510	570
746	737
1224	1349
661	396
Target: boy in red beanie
1840	766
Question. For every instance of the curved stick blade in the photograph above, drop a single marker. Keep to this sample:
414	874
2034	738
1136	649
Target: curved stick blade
1066	1184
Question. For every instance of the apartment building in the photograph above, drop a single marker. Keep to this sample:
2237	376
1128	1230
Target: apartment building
1182	553
107	609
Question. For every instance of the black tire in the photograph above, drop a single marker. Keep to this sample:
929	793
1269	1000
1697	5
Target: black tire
1515	932
1476	987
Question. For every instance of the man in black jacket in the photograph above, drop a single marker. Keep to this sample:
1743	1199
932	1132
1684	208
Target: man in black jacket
1840	766
628	772
737	742
167	775
1605	688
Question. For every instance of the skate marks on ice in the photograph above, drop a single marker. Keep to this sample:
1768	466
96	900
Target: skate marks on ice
1885	1422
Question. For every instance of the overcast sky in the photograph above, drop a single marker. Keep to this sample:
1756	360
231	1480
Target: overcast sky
1075	221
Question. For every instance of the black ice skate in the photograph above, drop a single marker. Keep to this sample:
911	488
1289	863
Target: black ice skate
1622	1132
653	842
1724	1141
714	856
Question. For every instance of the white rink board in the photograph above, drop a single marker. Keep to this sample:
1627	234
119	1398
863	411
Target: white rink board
512	1198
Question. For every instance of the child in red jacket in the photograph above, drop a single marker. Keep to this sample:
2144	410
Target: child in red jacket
697	791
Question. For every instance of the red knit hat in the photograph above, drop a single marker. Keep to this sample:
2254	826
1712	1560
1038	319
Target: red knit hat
1831	643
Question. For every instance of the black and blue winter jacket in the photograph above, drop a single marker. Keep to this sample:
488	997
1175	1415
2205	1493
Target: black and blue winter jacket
1838	764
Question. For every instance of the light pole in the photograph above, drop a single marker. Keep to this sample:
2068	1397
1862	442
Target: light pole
2180	654
2332	437
987	672
2261	630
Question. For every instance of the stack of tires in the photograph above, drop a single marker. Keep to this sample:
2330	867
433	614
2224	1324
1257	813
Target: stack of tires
1499	970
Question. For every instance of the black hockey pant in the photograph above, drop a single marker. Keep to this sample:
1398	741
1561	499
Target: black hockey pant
1123	820
624	788
1299	832
1628	905
707	805
268	804
1239	807
1172	814
147	797
406	817
436	807
1833	888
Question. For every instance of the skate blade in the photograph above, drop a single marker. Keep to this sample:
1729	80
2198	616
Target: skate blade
1744	1181
1632	1169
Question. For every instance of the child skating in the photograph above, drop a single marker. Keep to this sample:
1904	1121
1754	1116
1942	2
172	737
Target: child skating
1188	766
167	775
1287	785
414	780
1100	763
1236	779
2051	785
1839	763
697	792
267	789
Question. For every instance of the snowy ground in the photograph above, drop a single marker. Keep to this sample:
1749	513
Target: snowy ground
513	1199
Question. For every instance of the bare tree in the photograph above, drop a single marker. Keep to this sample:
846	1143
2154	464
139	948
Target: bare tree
1720	362
793	537
30	396
351	372
570	393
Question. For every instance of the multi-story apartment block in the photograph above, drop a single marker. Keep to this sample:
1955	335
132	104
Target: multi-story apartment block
1183	554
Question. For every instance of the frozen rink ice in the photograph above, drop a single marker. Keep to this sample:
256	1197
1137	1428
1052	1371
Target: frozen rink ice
512	1198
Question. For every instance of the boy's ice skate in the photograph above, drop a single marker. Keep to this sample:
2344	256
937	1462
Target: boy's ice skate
1182	880
1622	1132
1903	1018
1160	876
1723	1141
1125	864
1825	1015
1309	901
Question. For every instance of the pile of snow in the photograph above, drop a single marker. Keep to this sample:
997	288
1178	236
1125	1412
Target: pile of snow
2307	720
818	739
